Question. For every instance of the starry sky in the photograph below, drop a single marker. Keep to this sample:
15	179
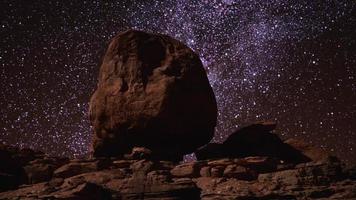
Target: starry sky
291	61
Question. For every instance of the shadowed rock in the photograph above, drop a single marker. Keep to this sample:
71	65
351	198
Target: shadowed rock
315	154
136	176
253	140
25	166
153	92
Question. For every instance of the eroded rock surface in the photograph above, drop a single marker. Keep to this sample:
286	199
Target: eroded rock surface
25	166
253	140
153	92
315	154
226	178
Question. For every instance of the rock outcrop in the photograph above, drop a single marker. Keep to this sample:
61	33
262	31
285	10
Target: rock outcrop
153	92
227	178
253	140
310	151
25	166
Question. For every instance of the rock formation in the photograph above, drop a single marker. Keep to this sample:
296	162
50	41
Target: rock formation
253	140
313	153
132	178
34	175
25	166
152	92
153	104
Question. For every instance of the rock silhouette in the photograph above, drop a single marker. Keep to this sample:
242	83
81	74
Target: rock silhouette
313	153
153	92
253	140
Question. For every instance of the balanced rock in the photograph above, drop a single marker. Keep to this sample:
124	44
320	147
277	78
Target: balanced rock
153	92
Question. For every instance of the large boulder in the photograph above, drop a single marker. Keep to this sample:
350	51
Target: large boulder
153	92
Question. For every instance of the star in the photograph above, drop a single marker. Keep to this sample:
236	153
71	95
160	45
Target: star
288	61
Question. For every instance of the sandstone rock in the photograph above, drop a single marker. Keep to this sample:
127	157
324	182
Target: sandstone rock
166	165
205	171
283	178
281	167
25	166
210	151
259	163
305	175
139	153
75	168
152	92
123	163
152	179
146	182
156	189
83	191
313	153
190	170
98	177
41	169
217	171
224	189
142	166
253	140
344	190
256	140
11	169
27	192
239	172
23	156
39	172
220	162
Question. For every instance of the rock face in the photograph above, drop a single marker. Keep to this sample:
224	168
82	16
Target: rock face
153	92
315	154
25	166
253	140
227	178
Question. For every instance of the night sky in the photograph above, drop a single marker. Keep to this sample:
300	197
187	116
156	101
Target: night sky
291	61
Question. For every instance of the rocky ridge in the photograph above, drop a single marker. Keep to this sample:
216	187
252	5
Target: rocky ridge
138	176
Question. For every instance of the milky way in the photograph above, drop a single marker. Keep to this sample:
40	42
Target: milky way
293	62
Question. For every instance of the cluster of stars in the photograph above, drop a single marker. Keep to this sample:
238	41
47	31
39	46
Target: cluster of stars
293	62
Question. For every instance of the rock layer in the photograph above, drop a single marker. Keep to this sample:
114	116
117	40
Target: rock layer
25	166
153	92
225	179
